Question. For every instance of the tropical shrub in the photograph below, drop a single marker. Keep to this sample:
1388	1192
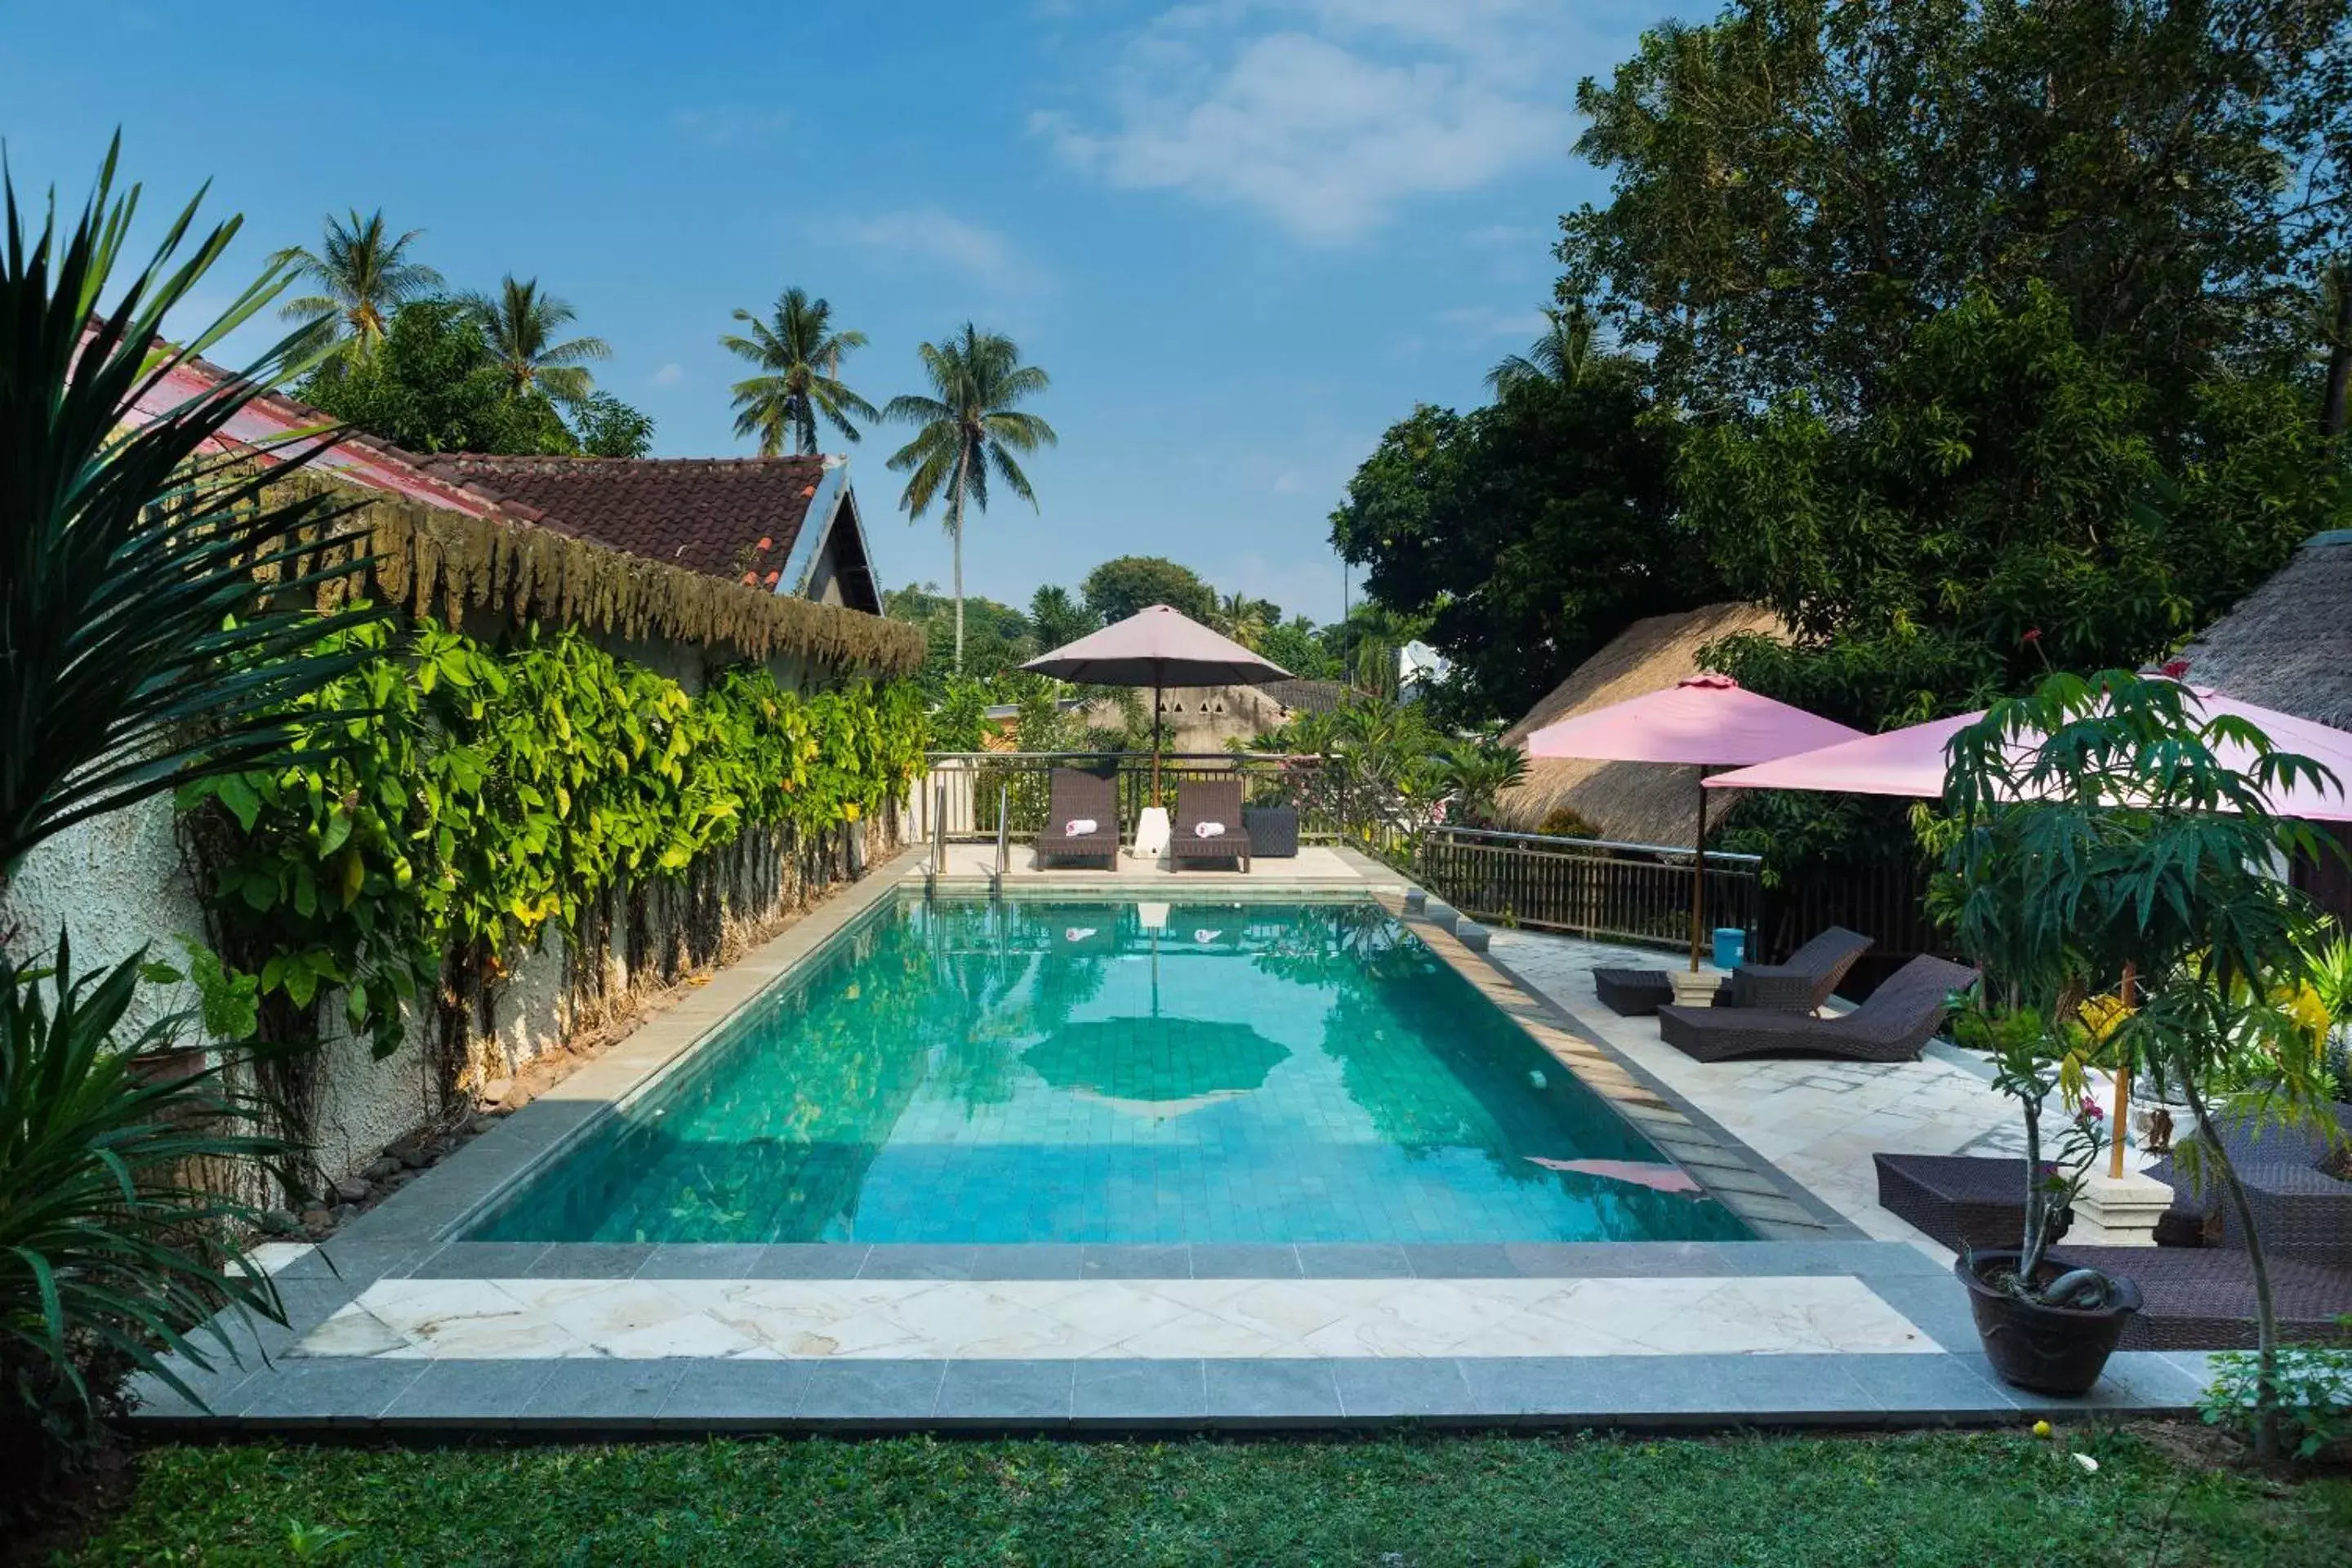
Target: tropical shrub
2313	1389
113	1248
140	652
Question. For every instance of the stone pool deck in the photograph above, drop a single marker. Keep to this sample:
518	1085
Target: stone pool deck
394	1328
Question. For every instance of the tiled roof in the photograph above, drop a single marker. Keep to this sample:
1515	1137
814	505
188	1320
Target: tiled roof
1301	696
730	517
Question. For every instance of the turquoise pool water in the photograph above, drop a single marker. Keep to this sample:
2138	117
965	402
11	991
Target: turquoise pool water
1115	1072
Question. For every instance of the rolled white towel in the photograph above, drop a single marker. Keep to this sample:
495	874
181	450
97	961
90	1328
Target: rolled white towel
1079	826
1208	830
1077	933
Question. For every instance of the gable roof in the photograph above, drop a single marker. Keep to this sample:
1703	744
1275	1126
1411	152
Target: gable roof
2288	644
438	544
1300	695
738	518
1634	802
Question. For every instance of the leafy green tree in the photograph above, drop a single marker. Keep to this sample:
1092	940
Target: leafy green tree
1117	589
1527	533
1301	647
2016	500
519	324
967	425
608	427
999	636
433	385
1057	618
799	355
1798	185
362	273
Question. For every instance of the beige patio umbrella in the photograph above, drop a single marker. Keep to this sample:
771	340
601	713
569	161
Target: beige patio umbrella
1157	648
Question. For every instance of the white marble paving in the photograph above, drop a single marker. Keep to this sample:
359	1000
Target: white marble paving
1818	1120
916	1318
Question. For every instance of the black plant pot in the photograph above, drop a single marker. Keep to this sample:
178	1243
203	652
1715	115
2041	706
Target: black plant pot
2050	1349
1272	831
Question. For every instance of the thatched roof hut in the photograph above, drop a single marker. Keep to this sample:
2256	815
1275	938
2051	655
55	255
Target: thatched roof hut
1639	803
2288	644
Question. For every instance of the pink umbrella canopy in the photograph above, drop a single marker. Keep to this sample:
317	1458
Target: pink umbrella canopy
1707	720
1911	761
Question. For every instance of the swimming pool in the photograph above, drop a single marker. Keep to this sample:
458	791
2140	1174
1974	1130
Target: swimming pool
1200	1071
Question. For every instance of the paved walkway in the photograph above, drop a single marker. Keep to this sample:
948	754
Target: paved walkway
1818	1120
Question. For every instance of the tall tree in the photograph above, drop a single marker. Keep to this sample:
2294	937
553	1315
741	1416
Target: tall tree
1058	617
967	426
363	274
799	355
1799	184
434	386
1119	588
1559	355
519	323
1528	532
1245	620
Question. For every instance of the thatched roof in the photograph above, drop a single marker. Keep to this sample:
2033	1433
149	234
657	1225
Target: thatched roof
2288	644
1640	803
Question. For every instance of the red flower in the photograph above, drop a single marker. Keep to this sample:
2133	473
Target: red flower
2032	634
2091	1112
2174	668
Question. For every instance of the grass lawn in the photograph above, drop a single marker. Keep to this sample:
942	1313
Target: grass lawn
1949	1498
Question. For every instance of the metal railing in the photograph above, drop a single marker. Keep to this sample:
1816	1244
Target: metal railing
1593	887
977	797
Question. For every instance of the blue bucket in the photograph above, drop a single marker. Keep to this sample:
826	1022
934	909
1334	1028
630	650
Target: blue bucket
1730	947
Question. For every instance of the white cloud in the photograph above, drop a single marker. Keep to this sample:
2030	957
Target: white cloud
670	376
1325	115
929	234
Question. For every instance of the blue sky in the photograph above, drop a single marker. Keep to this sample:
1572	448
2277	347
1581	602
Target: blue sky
1242	237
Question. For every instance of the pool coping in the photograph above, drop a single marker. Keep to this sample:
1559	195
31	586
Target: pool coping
407	1236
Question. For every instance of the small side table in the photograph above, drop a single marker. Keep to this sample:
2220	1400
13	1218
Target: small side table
1151	832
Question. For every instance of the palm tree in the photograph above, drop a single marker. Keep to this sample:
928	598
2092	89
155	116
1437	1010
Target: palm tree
1560	355
968	426
363	274
519	324
1055	616
1244	619
801	354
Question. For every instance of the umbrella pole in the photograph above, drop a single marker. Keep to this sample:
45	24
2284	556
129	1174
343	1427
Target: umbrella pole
1698	875
1155	735
2123	1087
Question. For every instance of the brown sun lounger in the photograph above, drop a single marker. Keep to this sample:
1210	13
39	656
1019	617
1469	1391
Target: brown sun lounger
1204	801
1891	1027
1805	980
1076	798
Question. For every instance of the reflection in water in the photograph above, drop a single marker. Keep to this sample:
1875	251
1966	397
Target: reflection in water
1032	1072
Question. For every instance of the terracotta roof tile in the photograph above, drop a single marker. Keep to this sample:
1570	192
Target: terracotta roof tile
710	514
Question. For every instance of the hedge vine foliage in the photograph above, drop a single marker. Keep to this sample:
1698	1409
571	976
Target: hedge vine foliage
453	797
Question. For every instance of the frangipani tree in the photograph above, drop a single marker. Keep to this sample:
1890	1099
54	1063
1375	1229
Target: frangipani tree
2125	840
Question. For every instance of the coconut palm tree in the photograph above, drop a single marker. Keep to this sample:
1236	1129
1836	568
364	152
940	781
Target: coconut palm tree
801	356
363	274
968	426
1242	618
519	324
1560	355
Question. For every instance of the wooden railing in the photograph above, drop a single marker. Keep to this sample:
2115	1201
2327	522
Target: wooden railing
1593	888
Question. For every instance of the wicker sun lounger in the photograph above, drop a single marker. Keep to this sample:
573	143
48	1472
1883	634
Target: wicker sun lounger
1891	1027
1203	800
1077	797
1640	993
1805	980
2202	1297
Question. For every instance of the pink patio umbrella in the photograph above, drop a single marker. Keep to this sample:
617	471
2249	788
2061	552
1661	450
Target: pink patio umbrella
1160	647
1912	762
1709	720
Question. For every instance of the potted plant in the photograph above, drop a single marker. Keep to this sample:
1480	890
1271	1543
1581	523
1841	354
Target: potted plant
2102	825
